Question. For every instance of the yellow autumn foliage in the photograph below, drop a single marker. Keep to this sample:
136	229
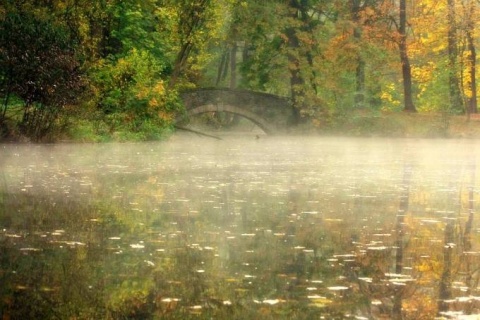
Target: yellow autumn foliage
387	95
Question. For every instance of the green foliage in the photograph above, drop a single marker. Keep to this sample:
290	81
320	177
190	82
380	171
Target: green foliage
433	95
126	49
131	95
257	25
120	64
38	65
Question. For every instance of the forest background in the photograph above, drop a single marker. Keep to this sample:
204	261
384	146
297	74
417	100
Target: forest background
113	69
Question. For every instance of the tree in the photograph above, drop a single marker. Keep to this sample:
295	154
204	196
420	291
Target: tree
406	69
38	65
456	101
365	18
256	29
304	18
297	82
359	100
192	28
469	18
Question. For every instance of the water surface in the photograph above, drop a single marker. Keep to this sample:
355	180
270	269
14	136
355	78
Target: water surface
240	228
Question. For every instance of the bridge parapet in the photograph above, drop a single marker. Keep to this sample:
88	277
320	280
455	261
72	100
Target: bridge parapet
272	113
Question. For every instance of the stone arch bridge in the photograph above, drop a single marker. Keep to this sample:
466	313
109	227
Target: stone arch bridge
273	114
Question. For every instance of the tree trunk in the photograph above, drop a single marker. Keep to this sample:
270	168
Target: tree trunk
233	66
234	119
297	83
298	53
221	68
472	103
180	63
406	69
456	102
192	20
359	98
5	106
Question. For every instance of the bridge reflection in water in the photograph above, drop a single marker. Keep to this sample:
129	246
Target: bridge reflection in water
273	114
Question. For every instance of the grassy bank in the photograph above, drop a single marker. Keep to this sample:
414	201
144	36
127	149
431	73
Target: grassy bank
361	123
401	124
356	124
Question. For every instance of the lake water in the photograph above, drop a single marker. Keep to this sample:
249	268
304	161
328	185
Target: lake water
240	228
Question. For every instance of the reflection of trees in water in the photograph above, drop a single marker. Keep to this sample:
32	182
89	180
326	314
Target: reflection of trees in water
146	247
399	241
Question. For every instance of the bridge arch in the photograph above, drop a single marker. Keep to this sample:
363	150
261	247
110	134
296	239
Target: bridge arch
262	123
273	114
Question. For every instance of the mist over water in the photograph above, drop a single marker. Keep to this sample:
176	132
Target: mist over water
277	227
